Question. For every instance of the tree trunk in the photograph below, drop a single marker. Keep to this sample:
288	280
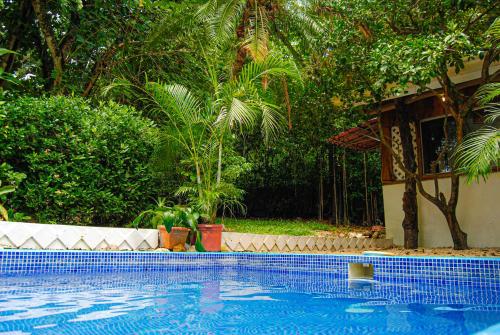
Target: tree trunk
334	218
99	67
344	191
39	6
367	206
410	221
410	206
46	63
219	162
458	236
241	53
320	185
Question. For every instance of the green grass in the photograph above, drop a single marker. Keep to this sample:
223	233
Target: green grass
276	226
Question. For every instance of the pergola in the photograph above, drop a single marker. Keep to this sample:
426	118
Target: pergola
362	138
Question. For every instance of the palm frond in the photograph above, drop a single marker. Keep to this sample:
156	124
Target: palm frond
274	64
220	19
239	114
177	102
272	122
487	93
478	152
493	113
257	39
168	153
493	31
302	18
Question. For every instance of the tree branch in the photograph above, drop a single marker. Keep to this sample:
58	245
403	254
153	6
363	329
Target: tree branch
283	39
471	21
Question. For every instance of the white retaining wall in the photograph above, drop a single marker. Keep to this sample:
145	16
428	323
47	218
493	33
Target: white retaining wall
51	236
24	235
286	243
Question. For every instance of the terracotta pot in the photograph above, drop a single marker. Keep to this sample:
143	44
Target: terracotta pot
211	236
176	239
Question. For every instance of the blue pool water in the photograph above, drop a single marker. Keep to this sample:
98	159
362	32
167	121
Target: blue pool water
238	301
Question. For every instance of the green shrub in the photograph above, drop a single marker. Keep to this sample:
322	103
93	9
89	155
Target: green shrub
84	165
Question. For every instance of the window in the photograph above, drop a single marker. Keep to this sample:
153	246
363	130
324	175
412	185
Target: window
436	148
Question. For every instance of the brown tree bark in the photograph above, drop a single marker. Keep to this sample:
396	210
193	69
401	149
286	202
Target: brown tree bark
334	218
410	206
40	8
241	54
99	67
321	204
458	236
367	204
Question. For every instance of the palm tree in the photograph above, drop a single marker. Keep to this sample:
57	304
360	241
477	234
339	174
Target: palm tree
200	129
250	24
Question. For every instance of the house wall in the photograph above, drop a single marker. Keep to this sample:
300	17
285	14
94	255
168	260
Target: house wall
478	213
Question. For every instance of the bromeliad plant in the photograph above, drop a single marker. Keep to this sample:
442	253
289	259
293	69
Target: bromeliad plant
170	216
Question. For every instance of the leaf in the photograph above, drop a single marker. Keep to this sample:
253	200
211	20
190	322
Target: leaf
478	152
7	189
198	245
3	213
4	51
169	220
137	221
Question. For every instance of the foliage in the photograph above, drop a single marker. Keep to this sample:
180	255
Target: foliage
376	56
198	135
95	43
231	62
480	149
4	214
84	164
286	175
11	182
168	216
174	216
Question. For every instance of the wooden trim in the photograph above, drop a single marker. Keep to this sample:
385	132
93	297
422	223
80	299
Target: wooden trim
428	94
443	175
385	154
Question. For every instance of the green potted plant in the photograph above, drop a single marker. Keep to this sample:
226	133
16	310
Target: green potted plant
174	224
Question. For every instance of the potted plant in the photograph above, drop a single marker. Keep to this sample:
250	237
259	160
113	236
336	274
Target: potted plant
211	235
174	224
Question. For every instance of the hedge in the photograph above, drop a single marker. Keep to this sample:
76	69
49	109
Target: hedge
85	165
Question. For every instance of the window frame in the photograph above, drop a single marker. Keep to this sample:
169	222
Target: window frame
421	144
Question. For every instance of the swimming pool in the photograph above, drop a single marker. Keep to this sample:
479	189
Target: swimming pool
64	292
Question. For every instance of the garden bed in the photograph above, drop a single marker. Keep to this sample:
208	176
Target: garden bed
294	227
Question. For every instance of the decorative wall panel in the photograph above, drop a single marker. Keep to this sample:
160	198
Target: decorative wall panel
397	148
285	243
50	236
